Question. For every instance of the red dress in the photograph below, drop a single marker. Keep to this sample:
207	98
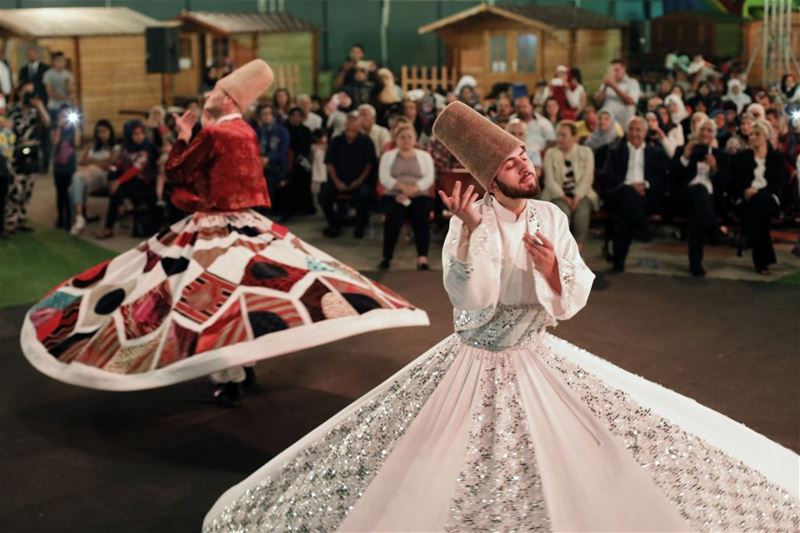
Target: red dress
220	288
220	169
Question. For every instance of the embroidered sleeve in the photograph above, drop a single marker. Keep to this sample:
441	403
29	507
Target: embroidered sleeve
471	274
576	278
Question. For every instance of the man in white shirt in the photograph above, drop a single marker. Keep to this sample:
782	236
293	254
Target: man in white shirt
619	93
312	121
634	178
6	84
380	136
541	134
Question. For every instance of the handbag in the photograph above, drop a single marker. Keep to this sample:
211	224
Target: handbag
26	158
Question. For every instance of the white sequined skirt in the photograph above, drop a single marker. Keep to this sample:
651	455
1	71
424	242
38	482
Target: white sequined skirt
545	437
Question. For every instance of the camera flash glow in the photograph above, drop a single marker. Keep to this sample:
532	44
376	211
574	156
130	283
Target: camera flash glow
73	117
796	115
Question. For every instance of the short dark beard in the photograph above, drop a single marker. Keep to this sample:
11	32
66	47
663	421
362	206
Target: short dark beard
519	192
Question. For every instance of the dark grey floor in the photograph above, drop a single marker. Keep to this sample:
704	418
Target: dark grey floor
80	460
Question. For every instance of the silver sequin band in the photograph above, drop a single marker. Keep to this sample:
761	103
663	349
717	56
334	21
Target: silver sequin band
317	488
499	487
711	489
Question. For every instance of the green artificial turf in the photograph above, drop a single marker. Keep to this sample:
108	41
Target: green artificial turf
32	263
791	279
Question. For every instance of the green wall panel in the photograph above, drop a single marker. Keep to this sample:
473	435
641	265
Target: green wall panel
289	49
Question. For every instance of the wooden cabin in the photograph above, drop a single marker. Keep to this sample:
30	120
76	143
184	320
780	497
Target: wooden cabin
753	50
524	44
287	43
712	34
105	49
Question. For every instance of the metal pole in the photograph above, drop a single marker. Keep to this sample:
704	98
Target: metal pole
385	13
325	37
765	43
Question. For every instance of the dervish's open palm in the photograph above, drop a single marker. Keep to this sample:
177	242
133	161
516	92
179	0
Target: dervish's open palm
463	205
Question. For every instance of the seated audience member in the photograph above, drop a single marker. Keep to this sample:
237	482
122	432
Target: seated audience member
93	169
132	175
759	179
311	120
300	141
541	133
790	89
379	135
552	111
718	116
273	143
605	133
740	139
668	135
635	177
407	174
568	179
503	110
518	129
281	103
699	173
350	160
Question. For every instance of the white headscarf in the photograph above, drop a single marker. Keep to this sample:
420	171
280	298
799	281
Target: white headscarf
679	115
740	98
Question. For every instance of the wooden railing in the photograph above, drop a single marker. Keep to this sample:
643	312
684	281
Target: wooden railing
416	77
287	77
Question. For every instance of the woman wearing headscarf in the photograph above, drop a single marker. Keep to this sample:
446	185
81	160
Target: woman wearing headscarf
133	173
678	113
740	140
668	135
605	133
790	89
737	95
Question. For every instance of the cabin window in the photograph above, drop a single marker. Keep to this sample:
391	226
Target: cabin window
186	55
221	50
498	53
526	53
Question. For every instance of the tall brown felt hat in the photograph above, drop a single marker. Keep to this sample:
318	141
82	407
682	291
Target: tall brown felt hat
245	84
480	145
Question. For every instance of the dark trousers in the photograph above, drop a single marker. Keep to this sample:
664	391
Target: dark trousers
629	210
302	201
130	189
63	179
418	212
5	185
362	196
757	213
701	222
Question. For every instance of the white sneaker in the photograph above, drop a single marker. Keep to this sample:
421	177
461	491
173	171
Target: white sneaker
77	227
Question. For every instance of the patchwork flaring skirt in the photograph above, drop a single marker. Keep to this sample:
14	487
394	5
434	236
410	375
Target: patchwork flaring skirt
541	437
217	289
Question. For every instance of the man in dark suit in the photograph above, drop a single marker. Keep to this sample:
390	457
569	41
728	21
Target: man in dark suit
635	178
33	72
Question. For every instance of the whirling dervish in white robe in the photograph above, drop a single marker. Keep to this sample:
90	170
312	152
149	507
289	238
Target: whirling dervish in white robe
503	426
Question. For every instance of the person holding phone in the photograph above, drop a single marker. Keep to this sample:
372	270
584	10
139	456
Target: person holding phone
700	175
619	93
